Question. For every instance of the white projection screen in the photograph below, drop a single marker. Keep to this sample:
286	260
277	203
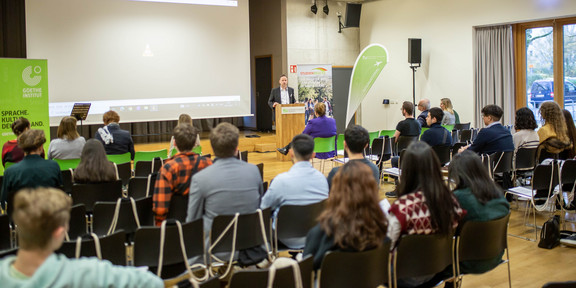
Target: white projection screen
149	61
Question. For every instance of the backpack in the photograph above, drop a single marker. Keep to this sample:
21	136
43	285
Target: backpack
550	233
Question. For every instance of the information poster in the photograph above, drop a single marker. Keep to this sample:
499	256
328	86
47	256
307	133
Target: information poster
23	93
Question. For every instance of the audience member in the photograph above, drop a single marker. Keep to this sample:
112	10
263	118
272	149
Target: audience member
525	136
115	140
436	135
569	153
423	107
425	205
94	166
449	114
553	134
301	185
69	143
182	119
226	187
32	171
356	139
174	177
352	219
10	151
494	137
42	217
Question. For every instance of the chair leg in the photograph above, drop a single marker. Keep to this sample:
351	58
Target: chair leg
508	262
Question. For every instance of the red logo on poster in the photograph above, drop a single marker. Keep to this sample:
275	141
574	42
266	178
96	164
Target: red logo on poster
292	68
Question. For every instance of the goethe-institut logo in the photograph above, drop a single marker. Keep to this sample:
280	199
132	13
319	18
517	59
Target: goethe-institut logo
31	77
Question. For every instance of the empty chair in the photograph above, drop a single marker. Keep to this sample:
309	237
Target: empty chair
123	172
324	145
462	126
523	163
120	158
465	135
130	216
149	155
142	187
77	225
147	247
66	164
143	167
67	180
88	194
443	153
294	221
112	248
5	232
284	277
370	268
376	150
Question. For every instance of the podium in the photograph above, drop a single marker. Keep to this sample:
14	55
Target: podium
289	123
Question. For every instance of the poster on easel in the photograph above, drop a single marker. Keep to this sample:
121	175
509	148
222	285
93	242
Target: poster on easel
23	93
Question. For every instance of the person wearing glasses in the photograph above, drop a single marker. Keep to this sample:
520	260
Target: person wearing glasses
494	137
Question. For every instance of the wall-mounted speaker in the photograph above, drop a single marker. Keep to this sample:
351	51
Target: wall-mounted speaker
414	51
353	15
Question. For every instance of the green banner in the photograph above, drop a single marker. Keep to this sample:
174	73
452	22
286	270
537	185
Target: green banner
23	93
368	66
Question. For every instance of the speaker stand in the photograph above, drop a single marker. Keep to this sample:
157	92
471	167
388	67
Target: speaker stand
414	67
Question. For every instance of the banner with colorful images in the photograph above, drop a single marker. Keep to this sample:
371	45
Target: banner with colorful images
366	70
315	84
23	93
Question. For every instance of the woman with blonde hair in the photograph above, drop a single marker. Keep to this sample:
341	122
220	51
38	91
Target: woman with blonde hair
182	119
554	133
69	143
449	114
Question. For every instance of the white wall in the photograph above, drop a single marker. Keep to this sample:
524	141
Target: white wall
446	29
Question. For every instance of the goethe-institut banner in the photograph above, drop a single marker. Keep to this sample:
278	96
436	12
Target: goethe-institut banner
23	93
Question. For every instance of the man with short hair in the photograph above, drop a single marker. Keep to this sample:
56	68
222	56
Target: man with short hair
42	217
281	95
115	140
174	177
424	107
356	139
226	187
494	137
301	185
409	126
436	135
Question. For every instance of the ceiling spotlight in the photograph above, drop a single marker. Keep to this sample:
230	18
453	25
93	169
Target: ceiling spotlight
326	9
314	8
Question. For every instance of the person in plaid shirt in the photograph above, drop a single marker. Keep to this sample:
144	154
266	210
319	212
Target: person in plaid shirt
175	175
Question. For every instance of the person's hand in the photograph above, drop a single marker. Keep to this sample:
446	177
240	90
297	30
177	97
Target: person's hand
463	148
274	105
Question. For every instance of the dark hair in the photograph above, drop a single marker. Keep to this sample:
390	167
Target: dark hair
466	171
303	146
224	140
30	140
421	172
20	125
408	107
436	113
185	137
94	166
571	132
356	137
352	215
493	111
525	119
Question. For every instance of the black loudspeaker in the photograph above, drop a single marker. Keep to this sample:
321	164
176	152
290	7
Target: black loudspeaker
414	51
353	15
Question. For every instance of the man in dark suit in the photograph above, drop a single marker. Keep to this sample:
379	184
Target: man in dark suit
282	94
494	137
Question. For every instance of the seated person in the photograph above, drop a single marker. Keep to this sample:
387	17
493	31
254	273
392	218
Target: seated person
116	141
525	136
10	151
424	108
356	139
42	217
494	137
301	185
449	113
342	226
436	135
94	166
69	143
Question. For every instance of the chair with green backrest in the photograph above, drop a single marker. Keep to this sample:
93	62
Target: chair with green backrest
323	145
389	133
448	127
422	131
66	164
8	164
197	150
149	155
373	135
120	158
340	145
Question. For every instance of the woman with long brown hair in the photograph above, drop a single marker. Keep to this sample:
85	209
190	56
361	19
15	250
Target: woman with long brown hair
69	143
94	166
553	134
352	219
182	119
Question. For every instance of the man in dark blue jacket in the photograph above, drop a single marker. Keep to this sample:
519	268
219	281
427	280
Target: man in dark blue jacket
436	135
494	137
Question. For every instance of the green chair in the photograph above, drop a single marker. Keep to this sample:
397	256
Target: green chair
340	145
66	164
389	133
422	131
197	150
322	145
149	155
120	158
448	127
373	135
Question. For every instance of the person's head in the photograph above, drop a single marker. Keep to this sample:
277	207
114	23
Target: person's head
41	216
552	115
67	128
31	141
283	81
435	115
424	105
352	215
407	109
325	99
224	140
421	171
320	109
525	119
356	138
302	147
20	125
466	171
446	104
184	119
491	113
94	166
185	137
110	117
